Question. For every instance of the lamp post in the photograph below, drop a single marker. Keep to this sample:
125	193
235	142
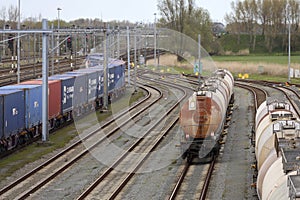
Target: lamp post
58	12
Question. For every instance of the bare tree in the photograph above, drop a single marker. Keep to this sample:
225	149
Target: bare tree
269	16
235	19
3	13
185	17
175	13
12	13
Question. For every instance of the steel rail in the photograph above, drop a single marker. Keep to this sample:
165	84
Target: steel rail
55	157
125	154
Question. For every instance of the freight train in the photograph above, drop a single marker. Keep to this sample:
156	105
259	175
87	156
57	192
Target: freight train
203	116
277	150
70	95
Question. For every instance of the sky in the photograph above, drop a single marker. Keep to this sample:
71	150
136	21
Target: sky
132	10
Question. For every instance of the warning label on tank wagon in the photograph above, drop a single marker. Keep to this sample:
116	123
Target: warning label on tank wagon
192	102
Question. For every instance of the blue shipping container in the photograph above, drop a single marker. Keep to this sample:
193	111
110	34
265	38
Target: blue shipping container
80	88
12	112
111	77
119	76
100	80
67	91
100	86
33	103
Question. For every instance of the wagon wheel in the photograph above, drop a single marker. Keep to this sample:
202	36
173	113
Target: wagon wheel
189	158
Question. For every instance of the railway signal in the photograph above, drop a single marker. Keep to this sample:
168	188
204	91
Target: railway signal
86	37
69	43
11	43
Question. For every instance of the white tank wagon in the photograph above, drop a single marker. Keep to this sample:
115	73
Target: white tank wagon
277	151
270	115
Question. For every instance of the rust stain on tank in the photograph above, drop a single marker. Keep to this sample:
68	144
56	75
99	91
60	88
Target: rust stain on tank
202	121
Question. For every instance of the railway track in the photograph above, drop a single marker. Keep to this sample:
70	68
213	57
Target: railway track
105	185
290	93
202	189
293	96
44	181
58	163
259	94
12	79
28	71
184	184
130	162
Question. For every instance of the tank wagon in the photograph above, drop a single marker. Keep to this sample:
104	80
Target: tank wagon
203	116
277	144
70	95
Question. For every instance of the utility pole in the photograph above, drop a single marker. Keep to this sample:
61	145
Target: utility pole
135	62
289	56
128	55
118	44
155	40
199	58
45	32
105	70
52	53
58	26
45	132
18	42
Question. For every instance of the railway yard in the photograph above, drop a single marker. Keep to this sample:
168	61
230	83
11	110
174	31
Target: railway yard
135	153
122	131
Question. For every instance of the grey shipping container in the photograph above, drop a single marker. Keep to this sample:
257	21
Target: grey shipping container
92	82
80	88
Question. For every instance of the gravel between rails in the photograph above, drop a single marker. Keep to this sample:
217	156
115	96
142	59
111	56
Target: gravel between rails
232	177
70	184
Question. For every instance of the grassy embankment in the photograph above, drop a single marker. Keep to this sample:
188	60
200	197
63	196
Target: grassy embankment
259	67
272	68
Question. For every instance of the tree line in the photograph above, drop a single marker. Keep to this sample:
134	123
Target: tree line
266	18
260	20
185	17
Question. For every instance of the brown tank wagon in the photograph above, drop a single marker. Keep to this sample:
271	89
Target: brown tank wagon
203	116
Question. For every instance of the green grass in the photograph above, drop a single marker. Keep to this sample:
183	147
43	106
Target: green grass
264	77
172	70
33	152
257	59
281	79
